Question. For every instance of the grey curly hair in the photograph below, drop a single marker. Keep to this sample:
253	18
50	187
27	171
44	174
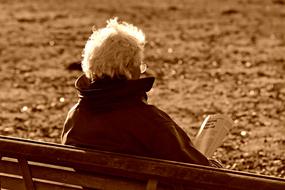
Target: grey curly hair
115	51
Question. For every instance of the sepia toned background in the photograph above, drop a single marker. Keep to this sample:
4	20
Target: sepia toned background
208	56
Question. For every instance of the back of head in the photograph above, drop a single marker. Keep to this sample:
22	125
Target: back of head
115	52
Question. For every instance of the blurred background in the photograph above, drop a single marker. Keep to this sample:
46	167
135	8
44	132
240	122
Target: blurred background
208	56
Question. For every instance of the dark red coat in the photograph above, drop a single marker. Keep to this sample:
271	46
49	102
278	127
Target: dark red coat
114	116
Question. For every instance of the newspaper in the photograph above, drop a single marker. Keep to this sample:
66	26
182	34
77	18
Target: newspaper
212	133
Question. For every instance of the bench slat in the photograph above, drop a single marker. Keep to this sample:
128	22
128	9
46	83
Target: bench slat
11	182
67	176
26	173
134	167
151	184
14	182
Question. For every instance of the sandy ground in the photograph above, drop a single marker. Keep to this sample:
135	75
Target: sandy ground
209	56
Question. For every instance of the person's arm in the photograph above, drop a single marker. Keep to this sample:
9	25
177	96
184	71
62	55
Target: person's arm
169	141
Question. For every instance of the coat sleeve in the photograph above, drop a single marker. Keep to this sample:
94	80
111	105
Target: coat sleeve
169	141
68	124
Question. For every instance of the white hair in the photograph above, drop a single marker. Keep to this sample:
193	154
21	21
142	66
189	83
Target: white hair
114	51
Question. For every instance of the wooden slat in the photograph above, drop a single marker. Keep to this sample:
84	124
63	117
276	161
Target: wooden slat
26	173
14	182
151	184
11	182
10	167
68	176
138	167
48	185
86	180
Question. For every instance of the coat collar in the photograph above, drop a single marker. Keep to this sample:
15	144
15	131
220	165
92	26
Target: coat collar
113	90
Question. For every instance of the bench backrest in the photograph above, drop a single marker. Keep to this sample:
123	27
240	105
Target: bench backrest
27	164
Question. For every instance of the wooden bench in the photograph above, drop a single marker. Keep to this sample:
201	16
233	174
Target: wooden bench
30	165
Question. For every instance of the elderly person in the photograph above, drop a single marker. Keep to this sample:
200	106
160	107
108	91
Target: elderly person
112	113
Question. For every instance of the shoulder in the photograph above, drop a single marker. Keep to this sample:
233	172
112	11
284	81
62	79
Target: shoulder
158	113
157	117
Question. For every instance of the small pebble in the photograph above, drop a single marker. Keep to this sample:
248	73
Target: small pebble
243	133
